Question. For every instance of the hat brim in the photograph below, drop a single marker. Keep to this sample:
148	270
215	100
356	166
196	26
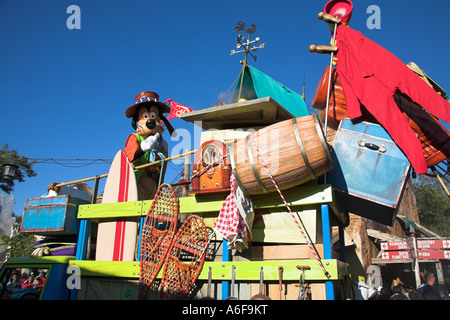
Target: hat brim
163	108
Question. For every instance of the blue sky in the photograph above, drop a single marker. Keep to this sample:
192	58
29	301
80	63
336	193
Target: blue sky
63	93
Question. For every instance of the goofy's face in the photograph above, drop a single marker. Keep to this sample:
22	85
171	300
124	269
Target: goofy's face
149	122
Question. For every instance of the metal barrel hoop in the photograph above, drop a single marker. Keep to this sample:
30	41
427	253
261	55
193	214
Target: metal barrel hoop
252	164
298	139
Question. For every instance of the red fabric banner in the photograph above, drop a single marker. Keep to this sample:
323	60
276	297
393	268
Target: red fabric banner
176	109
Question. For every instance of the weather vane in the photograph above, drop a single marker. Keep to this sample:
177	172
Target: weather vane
246	44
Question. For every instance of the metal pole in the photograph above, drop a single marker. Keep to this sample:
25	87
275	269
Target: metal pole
326	235
187	171
225	258
342	244
84	235
329	81
440	273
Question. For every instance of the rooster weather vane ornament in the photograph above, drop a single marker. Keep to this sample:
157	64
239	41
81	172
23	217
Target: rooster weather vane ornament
246	44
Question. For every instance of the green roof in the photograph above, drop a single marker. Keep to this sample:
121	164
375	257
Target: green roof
256	84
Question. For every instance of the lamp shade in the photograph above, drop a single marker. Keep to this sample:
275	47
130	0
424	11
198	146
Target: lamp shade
9	171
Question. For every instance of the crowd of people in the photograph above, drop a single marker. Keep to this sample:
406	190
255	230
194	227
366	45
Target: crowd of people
24	285
29	286
428	290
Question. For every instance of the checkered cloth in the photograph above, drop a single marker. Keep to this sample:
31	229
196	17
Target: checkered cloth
235	218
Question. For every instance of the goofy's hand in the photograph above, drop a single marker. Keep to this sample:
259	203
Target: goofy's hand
149	142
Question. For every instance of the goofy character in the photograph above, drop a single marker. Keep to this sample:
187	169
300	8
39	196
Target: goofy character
147	144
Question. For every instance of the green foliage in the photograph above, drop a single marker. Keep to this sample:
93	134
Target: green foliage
21	245
25	167
432	204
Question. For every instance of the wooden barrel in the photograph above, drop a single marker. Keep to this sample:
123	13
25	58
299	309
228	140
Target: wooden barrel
295	152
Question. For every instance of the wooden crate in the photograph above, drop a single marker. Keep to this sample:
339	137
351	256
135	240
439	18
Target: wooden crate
370	171
52	215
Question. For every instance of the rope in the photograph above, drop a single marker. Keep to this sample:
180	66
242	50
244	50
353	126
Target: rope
311	247
224	95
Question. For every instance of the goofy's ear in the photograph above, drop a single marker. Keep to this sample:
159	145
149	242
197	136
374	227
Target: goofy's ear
133	123
172	131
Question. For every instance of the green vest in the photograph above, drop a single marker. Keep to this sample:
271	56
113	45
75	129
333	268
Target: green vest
145	158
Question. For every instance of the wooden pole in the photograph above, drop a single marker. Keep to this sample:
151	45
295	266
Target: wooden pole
137	168
416	261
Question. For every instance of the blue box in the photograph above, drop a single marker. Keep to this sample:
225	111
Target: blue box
52	215
370	171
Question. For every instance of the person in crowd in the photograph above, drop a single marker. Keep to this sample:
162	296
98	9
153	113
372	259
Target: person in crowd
429	289
29	282
38	283
23	277
398	293
381	294
14	283
42	274
414	295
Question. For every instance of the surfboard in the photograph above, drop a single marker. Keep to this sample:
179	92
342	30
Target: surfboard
185	259
116	238
157	235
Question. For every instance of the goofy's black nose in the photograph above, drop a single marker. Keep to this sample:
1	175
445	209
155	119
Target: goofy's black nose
151	124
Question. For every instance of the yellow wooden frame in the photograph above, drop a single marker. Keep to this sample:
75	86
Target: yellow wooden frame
299	196
221	271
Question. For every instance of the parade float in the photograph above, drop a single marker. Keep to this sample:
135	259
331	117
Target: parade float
267	185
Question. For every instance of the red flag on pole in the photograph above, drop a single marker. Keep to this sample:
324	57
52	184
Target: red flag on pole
176	109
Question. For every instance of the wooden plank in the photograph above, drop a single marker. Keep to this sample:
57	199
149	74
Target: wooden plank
277	236
221	271
284	252
381	262
122	269
44	260
278	226
270	114
250	270
222	117
111	210
298	196
239	110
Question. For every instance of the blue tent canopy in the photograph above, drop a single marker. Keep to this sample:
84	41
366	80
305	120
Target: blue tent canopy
256	84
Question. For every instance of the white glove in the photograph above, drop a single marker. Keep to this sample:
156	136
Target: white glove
149	142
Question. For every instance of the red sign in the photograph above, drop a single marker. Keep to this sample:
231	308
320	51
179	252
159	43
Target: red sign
421	244
434	254
395	245
423	254
433	244
395	255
